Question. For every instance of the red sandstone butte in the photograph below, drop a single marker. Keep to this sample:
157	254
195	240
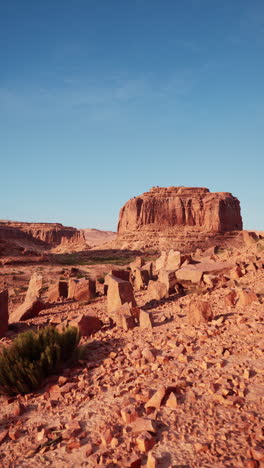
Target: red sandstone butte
170	207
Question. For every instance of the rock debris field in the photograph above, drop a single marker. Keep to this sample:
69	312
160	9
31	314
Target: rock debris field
173	370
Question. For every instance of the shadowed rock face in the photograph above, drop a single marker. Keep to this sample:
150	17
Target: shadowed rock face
48	233
175	207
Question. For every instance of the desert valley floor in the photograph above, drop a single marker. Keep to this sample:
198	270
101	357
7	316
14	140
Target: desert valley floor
207	379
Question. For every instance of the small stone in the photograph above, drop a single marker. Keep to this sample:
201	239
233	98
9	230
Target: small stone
246	297
246	374
3	435
128	322
258	453
14	434
201	447
199	312
252	464
89	449
143	424
172	401
152	461
231	298
129	414
41	434
74	444
145	319
134	462
106	437
145	442
114	442
148	355
156	399
74	428
18	409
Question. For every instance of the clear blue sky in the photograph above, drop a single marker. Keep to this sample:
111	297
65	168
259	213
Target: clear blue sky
102	99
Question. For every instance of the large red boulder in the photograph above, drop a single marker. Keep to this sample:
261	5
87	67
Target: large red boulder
119	292
82	290
32	304
3	312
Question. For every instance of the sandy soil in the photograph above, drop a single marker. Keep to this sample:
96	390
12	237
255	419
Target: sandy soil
215	371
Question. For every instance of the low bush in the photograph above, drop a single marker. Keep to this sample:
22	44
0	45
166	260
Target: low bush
35	355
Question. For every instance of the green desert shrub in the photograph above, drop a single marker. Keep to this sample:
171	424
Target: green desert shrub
35	355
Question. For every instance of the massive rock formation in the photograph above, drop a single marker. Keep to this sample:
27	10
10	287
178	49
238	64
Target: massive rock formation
50	233
177	217
17	237
181	206
14	241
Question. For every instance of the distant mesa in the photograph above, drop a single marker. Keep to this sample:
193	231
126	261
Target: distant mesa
20	237
49	233
96	237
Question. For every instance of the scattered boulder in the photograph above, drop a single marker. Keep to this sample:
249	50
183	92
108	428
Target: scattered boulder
149	268
3	312
189	273
246	297
169	279
171	260
57	291
122	274
174	260
172	401
199	312
145	319
137	263
231	298
161	261
157	290
145	441
124	317
141	278
119	292
129	414
156	399
194	272
35	285
32	304
236	273
87	324
82	290
28	310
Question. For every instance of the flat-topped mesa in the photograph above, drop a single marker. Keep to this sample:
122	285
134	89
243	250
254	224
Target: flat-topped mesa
49	233
164	208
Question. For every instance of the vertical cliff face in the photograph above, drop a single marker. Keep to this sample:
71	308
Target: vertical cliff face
49	233
16	236
177	207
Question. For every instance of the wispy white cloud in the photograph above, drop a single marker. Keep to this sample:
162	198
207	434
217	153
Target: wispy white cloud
100	99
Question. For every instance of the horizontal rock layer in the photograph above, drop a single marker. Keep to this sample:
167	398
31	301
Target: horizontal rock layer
50	233
176	207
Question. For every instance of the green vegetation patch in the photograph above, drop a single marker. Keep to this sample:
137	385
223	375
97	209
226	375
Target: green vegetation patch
35	355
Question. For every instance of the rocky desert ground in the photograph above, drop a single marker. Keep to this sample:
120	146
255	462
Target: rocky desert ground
173	373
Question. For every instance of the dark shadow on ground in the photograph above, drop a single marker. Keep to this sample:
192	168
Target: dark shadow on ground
154	303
